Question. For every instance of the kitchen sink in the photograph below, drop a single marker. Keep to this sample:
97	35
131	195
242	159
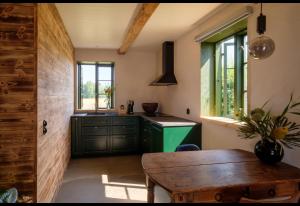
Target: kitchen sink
96	113
102	113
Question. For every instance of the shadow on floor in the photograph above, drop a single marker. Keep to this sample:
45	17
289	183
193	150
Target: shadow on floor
118	179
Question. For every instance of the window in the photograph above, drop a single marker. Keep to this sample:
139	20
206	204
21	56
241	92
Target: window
230	73
93	80
224	74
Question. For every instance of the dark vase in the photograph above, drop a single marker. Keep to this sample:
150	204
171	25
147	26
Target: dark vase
269	152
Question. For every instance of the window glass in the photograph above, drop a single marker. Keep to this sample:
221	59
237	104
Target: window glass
245	99
230	82
229	79
225	91
95	86
104	73
88	85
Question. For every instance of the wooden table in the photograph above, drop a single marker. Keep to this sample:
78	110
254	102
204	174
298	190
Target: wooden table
217	176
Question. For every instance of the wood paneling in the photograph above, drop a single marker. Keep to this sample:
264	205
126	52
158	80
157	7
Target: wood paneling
36	84
18	98
55	100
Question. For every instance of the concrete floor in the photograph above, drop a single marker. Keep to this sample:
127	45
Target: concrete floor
116	179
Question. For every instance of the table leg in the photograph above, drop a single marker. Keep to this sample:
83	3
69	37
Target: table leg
150	189
172	198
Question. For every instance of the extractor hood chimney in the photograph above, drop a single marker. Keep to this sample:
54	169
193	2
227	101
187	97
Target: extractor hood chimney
168	76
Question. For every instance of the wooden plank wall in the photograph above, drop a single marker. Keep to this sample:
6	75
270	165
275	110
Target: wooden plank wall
18	98
55	100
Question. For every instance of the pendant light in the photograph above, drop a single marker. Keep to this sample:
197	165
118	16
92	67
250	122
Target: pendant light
262	46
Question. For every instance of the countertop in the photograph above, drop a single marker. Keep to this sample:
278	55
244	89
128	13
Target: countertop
163	120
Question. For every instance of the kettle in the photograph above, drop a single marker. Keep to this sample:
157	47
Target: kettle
130	104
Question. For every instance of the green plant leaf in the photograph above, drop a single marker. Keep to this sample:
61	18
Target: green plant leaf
296	104
287	106
265	126
286	145
265	103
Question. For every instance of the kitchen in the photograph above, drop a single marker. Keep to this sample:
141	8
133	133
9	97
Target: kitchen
65	141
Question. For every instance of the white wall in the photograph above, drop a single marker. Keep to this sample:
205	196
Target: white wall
275	77
133	72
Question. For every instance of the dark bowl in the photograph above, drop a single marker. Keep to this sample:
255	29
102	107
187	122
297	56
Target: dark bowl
150	107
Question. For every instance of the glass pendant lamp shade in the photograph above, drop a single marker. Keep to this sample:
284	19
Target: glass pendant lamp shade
262	46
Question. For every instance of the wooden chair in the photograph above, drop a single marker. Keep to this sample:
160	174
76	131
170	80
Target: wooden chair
286	199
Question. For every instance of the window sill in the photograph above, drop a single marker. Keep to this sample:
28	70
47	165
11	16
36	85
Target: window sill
92	111
223	121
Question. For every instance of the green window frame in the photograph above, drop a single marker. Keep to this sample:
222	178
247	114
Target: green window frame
98	79
229	86
224	75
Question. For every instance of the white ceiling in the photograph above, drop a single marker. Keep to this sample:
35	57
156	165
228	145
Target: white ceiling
103	25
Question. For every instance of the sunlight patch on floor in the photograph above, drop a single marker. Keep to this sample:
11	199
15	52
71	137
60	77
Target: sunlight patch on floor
117	192
120	190
137	193
105	181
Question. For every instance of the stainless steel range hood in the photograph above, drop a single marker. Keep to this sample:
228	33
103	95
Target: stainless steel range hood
168	76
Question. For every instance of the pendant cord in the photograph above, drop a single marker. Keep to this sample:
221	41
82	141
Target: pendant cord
260	8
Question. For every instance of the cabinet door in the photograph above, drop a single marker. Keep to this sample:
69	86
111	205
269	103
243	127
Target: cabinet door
146	137
175	136
124	143
76	143
156	138
95	144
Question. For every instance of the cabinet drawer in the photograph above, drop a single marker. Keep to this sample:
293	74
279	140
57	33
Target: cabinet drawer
124	143
96	130
96	144
95	121
125	120
128	129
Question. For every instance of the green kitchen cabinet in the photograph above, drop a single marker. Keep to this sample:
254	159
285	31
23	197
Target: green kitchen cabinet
95	135
145	140
165	139
76	144
125	134
175	136
156	135
151	136
102	135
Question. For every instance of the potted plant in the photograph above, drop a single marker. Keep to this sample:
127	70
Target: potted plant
275	131
9	196
108	93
